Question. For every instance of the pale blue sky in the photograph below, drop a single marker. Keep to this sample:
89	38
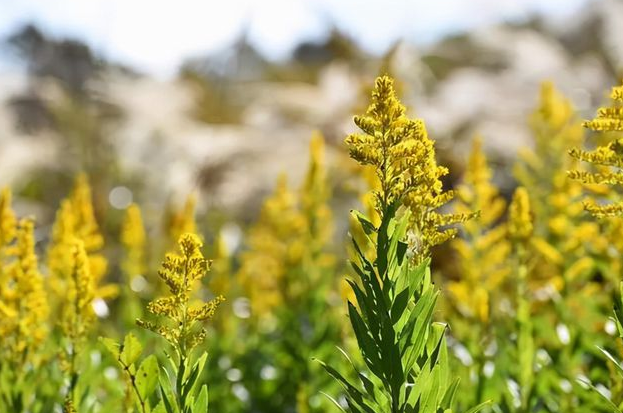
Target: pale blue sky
156	35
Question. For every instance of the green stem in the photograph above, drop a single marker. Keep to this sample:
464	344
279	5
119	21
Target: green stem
132	377
525	339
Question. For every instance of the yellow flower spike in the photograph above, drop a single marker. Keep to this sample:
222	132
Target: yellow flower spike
8	222
404	160
23	301
546	250
271	242
182	324
315	194
581	266
133	239
220	281
183	220
478	193
607	159
483	250
554	109
78	316
86	227
555	128
555	200
292	232
75	219
8	229
520	218
59	260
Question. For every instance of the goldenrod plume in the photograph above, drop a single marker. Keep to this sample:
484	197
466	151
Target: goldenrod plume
182	319
404	159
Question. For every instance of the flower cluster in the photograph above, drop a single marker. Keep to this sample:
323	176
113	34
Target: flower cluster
276	244
520	226
560	232
483	249
404	159
182	221
75	219
292	231
133	239
606	159
542	170
78	315
23	302
180	273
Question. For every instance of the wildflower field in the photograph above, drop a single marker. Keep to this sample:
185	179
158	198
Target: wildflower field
425	299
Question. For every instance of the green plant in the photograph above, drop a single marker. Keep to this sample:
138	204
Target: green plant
403	349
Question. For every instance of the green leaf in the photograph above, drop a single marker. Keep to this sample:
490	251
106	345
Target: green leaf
131	350
111	345
448	397
618	311
354	395
430	394
147	376
400	304
166	391
368	347
159	408
367	226
189	384
401	250
479	407
415	333
333	401
367	307
614	361
201	404
168	400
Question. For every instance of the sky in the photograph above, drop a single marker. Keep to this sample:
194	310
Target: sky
154	36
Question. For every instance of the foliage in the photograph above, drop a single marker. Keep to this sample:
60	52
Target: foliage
288	274
520	317
404	351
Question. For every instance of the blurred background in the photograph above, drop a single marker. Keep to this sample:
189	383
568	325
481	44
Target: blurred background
158	100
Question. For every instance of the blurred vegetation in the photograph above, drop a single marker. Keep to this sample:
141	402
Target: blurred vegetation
525	291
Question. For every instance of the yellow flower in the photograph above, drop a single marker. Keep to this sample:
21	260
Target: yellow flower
183	318
8	222
542	171
289	239
23	302
220	281
75	219
183	221
8	229
404	160
78	316
133	239
546	250
315	194
477	193
520	218
606	159
483	250
555	200
276	244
